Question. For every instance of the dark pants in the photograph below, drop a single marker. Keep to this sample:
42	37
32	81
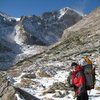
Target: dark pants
84	96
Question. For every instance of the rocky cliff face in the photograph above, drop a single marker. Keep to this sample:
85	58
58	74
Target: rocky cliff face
18	39
90	23
47	28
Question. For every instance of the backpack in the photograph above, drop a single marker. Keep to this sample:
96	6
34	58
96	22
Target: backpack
89	72
88	60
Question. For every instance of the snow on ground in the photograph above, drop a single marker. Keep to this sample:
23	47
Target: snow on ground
56	63
18	79
28	51
18	97
59	77
94	95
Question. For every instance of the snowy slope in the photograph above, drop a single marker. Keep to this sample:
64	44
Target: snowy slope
60	76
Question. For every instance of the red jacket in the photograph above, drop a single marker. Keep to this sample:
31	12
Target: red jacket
78	80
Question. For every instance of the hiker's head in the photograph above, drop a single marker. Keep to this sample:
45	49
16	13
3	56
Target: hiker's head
73	65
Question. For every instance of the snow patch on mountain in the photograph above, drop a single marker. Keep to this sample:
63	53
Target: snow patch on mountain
17	19
65	10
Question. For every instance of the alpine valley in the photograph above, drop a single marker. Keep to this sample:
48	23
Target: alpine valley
26	36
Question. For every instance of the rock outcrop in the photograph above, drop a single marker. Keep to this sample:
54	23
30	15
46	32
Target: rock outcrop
7	92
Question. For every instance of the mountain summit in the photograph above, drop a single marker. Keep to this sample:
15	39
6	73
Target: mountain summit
45	29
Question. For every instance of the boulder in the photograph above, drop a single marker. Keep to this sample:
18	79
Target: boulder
42	73
25	94
24	83
9	94
58	86
58	94
47	99
47	91
31	76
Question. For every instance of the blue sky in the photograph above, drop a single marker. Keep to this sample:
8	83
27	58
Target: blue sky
18	8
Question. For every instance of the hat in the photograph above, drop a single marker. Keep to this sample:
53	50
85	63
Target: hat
73	64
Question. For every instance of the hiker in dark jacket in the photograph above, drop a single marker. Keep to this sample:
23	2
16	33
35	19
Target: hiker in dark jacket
79	82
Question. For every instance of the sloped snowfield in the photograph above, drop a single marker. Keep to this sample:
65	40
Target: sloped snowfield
60	76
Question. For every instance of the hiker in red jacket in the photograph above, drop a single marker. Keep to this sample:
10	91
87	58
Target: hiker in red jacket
79	82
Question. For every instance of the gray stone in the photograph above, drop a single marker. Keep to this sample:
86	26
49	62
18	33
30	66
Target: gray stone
47	98
30	76
58	86
9	94
58	94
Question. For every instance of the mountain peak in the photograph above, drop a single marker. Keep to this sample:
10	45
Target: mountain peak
70	11
65	9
